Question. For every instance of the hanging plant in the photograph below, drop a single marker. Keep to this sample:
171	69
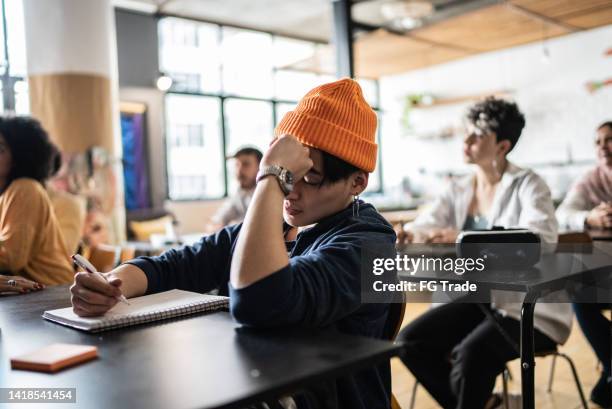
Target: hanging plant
410	101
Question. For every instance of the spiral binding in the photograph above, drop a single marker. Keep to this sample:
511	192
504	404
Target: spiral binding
130	320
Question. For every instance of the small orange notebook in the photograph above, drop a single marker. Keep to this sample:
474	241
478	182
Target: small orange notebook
54	357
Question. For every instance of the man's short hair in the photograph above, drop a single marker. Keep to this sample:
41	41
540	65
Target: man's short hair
248	150
605	124
335	169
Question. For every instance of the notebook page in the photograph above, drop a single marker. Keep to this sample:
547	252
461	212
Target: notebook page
139	307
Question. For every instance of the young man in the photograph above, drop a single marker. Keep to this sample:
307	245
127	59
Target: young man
233	210
311	174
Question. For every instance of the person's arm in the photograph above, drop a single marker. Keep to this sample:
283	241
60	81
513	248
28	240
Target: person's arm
600	217
313	290
574	210
201	267
92	296
22	209
435	218
260	248
537	209
19	284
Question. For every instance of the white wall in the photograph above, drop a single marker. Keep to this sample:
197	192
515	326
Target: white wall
561	115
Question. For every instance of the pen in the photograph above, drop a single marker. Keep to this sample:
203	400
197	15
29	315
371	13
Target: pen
87	266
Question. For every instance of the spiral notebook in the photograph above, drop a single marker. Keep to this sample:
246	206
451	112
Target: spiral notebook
148	308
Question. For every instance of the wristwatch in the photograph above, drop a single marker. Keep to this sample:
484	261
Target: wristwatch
284	177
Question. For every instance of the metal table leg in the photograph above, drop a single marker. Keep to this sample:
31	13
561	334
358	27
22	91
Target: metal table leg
527	352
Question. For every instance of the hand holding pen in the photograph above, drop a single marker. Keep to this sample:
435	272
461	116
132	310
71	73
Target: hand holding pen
88	267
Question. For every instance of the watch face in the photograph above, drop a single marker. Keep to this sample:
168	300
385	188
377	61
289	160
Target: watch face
287	176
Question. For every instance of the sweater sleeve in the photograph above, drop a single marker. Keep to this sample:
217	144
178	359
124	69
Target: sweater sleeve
574	209
537	210
20	212
200	268
438	214
313	290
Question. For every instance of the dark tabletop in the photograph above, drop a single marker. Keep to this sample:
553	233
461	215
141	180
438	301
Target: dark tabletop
202	361
551	273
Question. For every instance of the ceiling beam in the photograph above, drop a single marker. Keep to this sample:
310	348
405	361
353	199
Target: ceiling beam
451	10
457	8
409	34
542	17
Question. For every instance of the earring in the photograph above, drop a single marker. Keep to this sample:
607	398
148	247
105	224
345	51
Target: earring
355	205
497	172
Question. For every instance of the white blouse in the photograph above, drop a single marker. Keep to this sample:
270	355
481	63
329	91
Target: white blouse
522	200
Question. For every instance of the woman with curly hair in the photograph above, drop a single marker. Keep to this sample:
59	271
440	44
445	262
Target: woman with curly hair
456	350
31	243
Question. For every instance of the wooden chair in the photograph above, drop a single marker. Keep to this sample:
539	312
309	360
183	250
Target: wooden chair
105	257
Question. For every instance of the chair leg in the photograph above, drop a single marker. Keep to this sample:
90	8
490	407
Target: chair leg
576	379
505	376
551	376
414	391
510	377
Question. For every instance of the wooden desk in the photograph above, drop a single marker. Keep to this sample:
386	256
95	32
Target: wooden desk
600	234
202	361
400	216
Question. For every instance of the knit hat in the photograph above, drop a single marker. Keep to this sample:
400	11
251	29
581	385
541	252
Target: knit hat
336	119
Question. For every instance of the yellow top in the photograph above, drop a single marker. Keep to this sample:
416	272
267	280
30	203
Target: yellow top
31	243
70	212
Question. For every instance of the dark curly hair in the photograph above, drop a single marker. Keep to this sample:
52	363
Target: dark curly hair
500	117
32	152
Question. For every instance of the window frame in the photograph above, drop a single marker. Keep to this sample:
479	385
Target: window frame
222	96
8	80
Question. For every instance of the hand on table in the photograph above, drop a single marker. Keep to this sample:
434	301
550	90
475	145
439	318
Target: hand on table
600	217
18	284
441	236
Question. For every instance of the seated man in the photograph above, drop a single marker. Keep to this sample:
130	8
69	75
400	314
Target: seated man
327	145
233	210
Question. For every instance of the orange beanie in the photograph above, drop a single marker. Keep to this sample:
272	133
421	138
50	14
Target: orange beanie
336	119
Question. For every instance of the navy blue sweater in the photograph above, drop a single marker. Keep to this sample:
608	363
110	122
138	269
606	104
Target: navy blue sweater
320	287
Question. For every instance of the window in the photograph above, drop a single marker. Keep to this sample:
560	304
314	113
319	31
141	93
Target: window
255	78
194	146
22	97
218	103
14	88
247	123
190	54
292	85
